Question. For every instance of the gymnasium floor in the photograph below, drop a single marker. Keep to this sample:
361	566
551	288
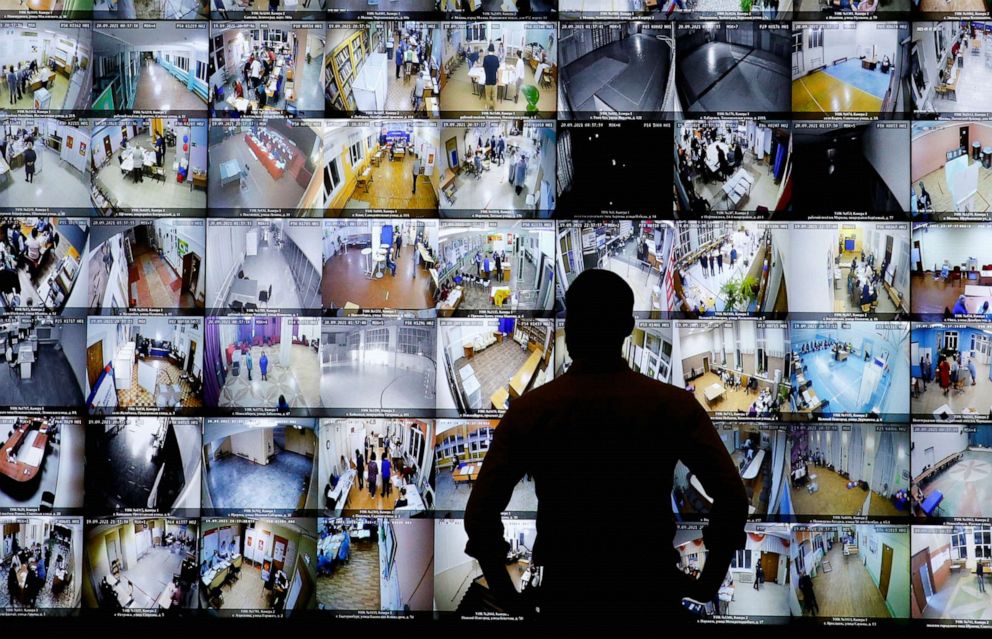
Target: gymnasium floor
842	87
629	75
966	486
840	382
727	77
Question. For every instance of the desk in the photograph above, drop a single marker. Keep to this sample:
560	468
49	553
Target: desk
230	171
238	104
25	357
714	392
869	64
28	451
364	178
244	290
752	469
931	503
712	158
165	599
500	398
274	166
973	290
424	255
414	502
467	472
520	380
339	493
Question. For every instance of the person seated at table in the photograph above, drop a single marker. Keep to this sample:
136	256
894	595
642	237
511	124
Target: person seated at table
867	297
960	308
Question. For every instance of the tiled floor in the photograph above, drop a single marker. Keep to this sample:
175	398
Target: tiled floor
55	182
168	374
237	483
67	598
974	86
353	585
270	269
169	194
842	301
960	598
149	576
160	90
704	286
967	396
261	190
344	281
493	367
299	382
626	75
966	486
52	382
59	91
453	496
770	599
718	76
158	285
492	189
371	386
477	295
392	188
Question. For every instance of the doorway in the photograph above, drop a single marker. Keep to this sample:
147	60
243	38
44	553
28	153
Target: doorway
706	364
963	138
189	360
769	564
191	273
94	362
108	148
886	572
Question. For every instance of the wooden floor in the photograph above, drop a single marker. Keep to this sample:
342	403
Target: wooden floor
932	296
392	188
345	281
359	498
847	590
821	92
835	498
732	400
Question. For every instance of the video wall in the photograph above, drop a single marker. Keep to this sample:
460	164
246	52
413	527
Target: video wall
272	272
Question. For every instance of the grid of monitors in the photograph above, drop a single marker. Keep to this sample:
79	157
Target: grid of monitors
271	272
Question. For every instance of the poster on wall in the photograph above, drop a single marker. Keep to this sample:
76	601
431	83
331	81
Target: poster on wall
182	247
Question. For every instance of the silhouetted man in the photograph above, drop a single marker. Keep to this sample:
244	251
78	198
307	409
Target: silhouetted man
602	441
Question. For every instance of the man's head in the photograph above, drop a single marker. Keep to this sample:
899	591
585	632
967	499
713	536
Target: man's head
599	314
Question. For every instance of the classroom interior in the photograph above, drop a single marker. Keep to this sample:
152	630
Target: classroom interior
259	465
130	172
527	76
162	69
61	174
379	263
743	592
404	443
758	453
154	363
470	280
289	345
136	564
849	167
948	264
730	267
967	351
488	362
49	282
59	57
952	472
614	68
952	66
950	169
733	366
41	464
372	167
366	565
475	180
944	583
858	69
45	361
263	264
288	77
155	264
850	471
735	66
460	586
622	152
255	565
49	552
730	165
360	71
386	365
857	570
863	267
859	367
460	448
263	164
641	252
151	9
143	463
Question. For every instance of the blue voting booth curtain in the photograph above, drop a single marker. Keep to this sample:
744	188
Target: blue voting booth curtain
983	437
779	161
386	237
506	325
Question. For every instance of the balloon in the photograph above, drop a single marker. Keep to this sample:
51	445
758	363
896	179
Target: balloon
185	138
185	147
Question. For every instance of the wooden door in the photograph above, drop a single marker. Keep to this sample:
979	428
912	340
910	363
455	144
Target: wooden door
769	564
886	573
94	362
107	147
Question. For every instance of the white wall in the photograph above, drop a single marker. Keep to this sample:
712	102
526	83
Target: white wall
226	248
938	243
881	146
898	596
943	444
807	281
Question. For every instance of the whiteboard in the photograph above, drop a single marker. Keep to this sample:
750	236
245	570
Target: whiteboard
147	375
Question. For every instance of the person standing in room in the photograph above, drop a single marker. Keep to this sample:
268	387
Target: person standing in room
719	260
500	150
759	575
263	366
733	256
248	363
159	149
923	371
973	370
499	267
712	264
398	58
373	474
809	596
478	264
591	413
386	470
980	573
256	72
491	66
416	172
518	76
521	174
705	264
944	374
360	469
12	83
30	157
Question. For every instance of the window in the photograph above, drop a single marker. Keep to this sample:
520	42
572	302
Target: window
983	542
741	559
959	544
377	339
355	152
201	71
564	162
951	340
332	177
412	340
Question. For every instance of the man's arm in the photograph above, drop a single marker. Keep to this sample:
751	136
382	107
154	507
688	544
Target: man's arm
503	468
702	451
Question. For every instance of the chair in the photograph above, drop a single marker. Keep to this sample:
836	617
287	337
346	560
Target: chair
250	306
47	502
265	296
236	305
